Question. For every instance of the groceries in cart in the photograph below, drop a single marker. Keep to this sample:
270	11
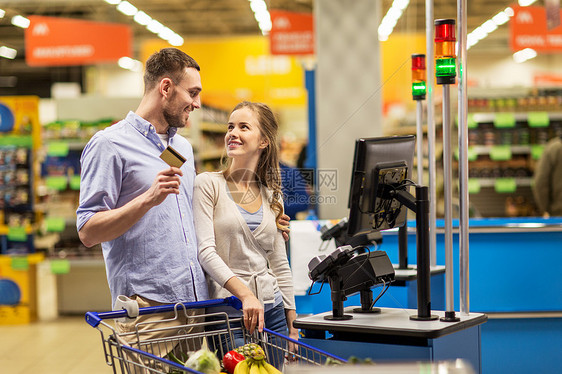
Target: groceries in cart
199	346
202	360
248	359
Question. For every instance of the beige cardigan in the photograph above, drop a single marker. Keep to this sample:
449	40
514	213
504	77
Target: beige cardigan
228	248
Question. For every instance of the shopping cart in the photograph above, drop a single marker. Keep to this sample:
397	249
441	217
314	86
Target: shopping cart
160	355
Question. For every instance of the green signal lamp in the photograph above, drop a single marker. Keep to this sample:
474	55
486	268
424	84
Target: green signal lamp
418	77
445	56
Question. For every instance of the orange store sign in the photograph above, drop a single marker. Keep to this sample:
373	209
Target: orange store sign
529	30
52	41
291	33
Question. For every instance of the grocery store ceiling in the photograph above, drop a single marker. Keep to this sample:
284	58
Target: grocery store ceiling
209	18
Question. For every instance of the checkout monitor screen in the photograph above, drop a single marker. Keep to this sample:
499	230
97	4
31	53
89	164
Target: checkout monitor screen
379	164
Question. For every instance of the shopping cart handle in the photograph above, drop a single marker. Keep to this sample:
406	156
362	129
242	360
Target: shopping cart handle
94	318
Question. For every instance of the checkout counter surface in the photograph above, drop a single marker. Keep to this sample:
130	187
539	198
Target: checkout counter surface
390	321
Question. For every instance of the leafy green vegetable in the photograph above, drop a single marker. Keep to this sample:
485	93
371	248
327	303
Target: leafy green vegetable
173	358
204	361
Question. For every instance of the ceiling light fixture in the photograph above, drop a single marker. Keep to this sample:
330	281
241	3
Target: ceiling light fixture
500	18
166	33
524	55
391	18
2	13
8	52
176	40
20	21
262	16
155	27
151	24
142	18
488	27
526	2
127	8
130	64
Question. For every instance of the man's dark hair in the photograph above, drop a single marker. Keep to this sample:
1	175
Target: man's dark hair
168	62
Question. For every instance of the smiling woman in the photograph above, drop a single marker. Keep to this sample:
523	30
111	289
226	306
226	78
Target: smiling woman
237	220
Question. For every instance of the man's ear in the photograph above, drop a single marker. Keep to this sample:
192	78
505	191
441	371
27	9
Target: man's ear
165	86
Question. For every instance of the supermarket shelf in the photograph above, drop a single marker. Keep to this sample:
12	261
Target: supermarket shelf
515	149
483	117
72	144
211	155
213	127
5	229
491	182
408	129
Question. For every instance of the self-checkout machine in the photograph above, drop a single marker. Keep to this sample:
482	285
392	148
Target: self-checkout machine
404	287
405	273
378	201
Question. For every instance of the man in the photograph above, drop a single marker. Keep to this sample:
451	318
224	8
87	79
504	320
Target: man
137	206
547	187
295	190
140	208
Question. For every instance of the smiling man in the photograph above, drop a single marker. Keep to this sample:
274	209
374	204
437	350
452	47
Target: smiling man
134	204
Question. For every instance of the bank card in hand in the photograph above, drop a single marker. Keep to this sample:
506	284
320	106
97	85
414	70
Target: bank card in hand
172	157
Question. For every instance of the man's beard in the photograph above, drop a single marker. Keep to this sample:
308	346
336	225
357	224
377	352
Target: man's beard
173	120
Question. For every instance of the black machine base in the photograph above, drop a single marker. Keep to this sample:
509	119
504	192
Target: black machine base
372	310
431	317
343	317
450	317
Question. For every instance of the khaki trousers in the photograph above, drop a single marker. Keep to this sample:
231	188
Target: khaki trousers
158	334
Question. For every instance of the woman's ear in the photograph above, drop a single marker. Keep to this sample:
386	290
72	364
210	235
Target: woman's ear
264	143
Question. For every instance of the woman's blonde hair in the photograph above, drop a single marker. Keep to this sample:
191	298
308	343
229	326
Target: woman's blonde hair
267	172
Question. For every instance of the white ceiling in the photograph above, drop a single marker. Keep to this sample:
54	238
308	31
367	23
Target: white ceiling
217	18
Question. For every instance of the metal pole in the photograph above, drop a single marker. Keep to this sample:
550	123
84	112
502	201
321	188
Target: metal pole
403	246
423	271
419	132
464	298
430	129
448	198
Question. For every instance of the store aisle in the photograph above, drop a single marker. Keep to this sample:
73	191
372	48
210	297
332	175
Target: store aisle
66	345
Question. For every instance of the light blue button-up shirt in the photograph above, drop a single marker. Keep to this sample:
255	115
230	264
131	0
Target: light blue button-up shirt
157	257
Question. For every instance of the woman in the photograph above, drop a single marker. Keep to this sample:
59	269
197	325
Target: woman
237	213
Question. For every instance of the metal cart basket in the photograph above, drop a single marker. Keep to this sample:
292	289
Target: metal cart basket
139	351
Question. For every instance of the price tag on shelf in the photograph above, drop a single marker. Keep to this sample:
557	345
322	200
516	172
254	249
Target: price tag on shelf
538	119
504	120
20	263
60	266
17	140
472	154
75	182
505	185
55	224
500	153
536	151
474	185
471	122
57	149
57	183
17	234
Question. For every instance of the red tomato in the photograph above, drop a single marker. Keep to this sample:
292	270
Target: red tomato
231	359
